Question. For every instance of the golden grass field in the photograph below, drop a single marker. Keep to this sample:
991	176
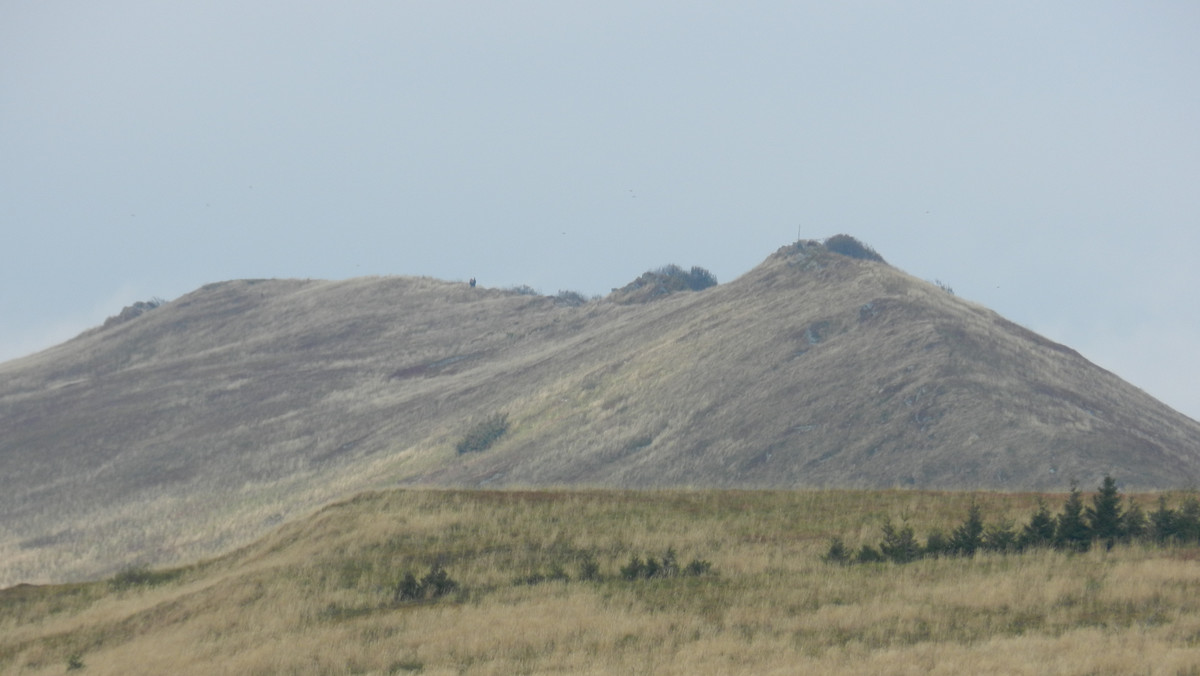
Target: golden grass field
315	596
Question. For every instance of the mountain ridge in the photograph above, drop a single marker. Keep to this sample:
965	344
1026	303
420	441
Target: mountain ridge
199	423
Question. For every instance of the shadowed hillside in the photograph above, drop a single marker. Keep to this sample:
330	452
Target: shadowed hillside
191	426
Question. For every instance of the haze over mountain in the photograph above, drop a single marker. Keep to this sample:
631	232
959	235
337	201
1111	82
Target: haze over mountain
179	430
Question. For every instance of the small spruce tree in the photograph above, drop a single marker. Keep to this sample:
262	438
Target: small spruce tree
437	582
635	569
1071	531
670	564
837	552
868	554
1187	523
1162	526
1000	537
899	545
1104	515
936	544
408	589
968	538
1133	521
589	569
1039	532
697	567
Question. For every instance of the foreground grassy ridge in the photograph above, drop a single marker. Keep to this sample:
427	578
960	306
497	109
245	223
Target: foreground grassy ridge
316	596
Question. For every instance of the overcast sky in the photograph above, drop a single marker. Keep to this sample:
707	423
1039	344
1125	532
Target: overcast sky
1041	158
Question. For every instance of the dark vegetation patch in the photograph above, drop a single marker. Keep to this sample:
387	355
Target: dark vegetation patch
570	298
638	443
440	367
849	246
664	281
133	312
483	434
433	585
142	576
668	566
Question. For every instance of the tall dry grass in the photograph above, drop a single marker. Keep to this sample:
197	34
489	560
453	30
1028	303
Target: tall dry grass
316	596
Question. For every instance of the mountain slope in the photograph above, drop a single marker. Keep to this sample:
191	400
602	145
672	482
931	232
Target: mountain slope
196	425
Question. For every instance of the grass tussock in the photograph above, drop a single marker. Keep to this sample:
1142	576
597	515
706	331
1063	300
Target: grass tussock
510	582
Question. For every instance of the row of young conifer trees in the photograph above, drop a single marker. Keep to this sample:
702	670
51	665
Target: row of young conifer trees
1106	521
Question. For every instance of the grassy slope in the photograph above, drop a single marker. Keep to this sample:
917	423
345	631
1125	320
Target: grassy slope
201	424
314	597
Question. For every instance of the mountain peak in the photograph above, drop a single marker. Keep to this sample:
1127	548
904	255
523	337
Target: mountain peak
245	402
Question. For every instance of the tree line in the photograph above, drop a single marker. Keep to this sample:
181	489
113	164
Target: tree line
1107	521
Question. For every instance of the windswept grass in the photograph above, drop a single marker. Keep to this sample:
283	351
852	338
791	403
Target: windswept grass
318	596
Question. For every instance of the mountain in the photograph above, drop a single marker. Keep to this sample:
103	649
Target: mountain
180	429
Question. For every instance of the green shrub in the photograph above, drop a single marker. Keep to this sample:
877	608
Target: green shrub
697	567
937	544
968	538
408	589
406	665
484	434
674	278
1187	523
1105	517
1071	532
1000	537
664	281
667	567
1039	532
570	298
141	576
1133	521
899	545
589	569
848	246
435	584
700	279
837	552
868	554
635	569
556	574
1162	522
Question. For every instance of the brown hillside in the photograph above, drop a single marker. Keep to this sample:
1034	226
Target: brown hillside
194	426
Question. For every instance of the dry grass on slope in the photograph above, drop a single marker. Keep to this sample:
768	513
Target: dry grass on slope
316	597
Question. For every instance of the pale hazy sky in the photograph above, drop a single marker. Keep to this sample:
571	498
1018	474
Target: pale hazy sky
1042	158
